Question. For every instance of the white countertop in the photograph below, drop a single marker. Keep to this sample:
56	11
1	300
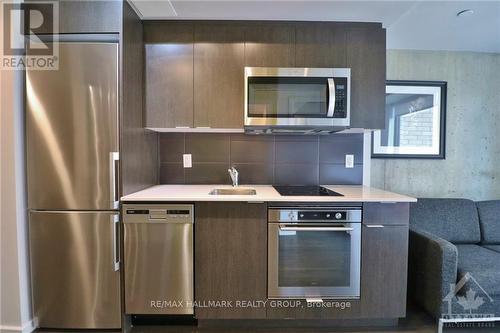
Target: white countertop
265	193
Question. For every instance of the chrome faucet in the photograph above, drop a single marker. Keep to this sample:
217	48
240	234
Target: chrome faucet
234	175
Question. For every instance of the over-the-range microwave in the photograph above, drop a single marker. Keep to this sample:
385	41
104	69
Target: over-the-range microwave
297	100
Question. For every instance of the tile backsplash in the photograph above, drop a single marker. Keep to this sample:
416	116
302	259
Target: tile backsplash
284	160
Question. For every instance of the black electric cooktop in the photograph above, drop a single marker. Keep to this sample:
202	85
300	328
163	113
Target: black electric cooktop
314	191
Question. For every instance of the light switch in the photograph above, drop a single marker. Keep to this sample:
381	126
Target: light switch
186	159
349	161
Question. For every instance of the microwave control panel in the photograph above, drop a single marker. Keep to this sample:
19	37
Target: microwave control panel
340	97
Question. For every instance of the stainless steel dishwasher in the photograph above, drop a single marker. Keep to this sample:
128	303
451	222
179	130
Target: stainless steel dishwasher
158	258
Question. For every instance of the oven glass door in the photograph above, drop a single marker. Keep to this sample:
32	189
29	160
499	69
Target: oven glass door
288	97
314	260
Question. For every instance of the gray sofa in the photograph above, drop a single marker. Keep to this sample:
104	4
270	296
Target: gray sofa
455	241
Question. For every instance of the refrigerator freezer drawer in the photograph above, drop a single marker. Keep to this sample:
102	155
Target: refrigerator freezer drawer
74	269
158	266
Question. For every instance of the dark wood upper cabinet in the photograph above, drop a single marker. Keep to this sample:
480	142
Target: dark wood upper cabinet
366	52
195	69
230	258
169	99
136	143
384	271
168	32
320	44
80	17
219	51
270	44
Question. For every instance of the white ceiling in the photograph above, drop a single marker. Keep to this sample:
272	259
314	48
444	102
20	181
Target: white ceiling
421	25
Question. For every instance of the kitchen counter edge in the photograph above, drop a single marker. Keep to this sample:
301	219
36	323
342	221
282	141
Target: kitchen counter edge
265	193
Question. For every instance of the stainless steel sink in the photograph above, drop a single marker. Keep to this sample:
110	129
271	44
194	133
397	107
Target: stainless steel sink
233	191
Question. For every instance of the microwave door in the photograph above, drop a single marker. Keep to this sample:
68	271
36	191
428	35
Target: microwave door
287	97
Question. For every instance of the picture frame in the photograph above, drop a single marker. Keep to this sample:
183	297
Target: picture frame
415	121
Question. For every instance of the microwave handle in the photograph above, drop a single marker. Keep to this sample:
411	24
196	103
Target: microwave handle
331	102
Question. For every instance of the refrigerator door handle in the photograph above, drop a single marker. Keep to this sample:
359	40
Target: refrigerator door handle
114	158
115	231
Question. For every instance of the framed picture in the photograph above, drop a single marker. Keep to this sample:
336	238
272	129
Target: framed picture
415	113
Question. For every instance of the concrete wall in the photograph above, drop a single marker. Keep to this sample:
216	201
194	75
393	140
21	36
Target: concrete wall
472	165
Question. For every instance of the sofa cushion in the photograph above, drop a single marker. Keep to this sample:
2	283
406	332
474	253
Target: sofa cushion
482	264
454	220
489	220
495	248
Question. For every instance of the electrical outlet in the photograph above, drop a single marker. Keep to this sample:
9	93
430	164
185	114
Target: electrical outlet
186	159
349	161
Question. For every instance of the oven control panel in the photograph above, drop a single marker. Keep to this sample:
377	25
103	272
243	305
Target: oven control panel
313	215
304	214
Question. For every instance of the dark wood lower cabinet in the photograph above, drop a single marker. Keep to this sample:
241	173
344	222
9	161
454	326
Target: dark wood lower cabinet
384	252
386	213
384	266
230	259
231	267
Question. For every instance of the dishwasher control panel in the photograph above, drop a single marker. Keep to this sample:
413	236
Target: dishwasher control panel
158	213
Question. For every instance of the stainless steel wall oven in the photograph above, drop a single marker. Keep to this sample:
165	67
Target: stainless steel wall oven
314	252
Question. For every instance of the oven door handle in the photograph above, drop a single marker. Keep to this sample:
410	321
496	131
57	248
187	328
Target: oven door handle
315	228
331	97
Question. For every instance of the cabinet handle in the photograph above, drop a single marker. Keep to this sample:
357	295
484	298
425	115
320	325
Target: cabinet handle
374	226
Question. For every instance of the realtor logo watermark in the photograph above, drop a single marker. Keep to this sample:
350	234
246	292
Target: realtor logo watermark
30	35
256	304
465	302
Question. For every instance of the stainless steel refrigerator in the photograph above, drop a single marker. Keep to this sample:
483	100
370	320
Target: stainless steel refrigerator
72	175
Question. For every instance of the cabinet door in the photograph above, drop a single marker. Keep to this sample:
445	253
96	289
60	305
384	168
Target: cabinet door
384	271
218	75
169	75
366	58
320	44
382	213
80	17
270	45
230	258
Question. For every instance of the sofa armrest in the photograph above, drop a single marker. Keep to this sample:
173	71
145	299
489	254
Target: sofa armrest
432	268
